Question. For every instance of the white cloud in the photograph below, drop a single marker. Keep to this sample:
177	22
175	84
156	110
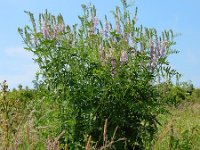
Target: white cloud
17	67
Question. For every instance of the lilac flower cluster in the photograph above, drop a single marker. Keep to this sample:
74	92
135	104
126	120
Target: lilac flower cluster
118	26
47	31
124	57
58	29
157	50
95	22
105	32
102	53
108	57
114	66
152	55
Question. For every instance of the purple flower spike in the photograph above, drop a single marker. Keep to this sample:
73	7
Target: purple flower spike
109	54
114	66
152	50
58	29
102	32
61	27
154	62
163	48
95	22
124	57
158	47
106	29
55	32
45	31
127	38
153	57
118	26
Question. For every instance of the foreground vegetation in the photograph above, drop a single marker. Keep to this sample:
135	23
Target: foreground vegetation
20	128
100	85
181	128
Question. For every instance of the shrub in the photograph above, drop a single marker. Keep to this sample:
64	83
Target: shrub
99	71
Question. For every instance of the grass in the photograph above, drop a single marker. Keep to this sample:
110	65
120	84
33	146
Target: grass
180	129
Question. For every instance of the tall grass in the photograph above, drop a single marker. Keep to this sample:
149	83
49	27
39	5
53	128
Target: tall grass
180	129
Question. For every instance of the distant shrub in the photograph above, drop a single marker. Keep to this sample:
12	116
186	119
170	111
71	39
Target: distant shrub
176	95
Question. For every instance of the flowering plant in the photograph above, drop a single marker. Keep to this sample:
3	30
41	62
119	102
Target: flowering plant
96	71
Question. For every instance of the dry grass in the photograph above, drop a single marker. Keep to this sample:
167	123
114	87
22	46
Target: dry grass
107	144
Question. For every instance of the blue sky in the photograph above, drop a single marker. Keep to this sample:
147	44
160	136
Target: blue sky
182	16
